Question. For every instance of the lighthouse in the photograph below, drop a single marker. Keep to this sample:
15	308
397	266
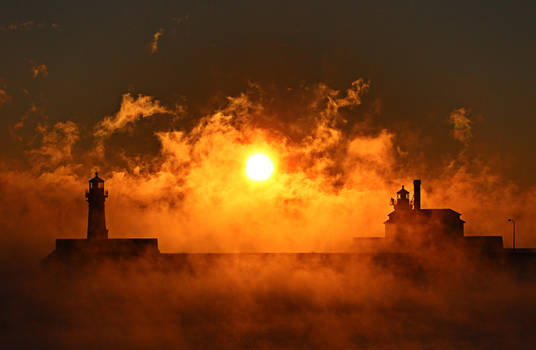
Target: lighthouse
81	250
96	220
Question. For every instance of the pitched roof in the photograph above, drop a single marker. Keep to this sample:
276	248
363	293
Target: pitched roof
403	190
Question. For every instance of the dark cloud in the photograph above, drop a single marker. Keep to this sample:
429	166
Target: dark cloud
28	25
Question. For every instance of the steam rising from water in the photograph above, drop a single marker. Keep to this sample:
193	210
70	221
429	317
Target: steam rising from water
333	182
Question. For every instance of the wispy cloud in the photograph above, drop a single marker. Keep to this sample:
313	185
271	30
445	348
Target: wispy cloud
17	27
20	124
181	20
154	42
39	70
462	125
132	109
4	97
27	25
56	144
153	45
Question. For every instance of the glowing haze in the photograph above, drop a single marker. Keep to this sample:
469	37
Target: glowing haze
331	185
349	103
348	100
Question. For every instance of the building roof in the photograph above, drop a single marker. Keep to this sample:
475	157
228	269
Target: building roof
403	190
430	212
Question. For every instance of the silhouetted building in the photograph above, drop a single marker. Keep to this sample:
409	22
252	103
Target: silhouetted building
410	223
409	226
97	243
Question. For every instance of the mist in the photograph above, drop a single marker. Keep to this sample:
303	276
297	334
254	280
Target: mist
180	178
336	301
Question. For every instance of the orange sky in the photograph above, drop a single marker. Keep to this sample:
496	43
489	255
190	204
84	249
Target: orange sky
351	101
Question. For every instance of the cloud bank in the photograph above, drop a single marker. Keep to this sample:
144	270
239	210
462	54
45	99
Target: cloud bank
186	185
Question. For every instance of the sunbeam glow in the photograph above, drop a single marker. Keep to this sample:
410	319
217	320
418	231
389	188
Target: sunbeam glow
259	167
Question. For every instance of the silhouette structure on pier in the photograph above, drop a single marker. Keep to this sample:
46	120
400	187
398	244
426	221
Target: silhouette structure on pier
97	243
409	222
409	227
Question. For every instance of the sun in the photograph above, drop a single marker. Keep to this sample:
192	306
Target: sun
259	167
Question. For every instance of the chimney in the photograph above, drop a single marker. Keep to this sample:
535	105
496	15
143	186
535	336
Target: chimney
416	194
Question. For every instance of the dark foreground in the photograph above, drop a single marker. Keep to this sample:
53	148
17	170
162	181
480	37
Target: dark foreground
266	301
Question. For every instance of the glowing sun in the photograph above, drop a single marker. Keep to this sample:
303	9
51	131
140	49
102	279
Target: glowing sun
259	167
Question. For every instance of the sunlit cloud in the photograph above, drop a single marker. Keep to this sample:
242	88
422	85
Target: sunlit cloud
39	70
462	125
325	178
132	108
4	97
56	145
19	26
154	42
177	21
20	124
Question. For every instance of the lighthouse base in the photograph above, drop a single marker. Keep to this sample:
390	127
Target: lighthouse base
81	249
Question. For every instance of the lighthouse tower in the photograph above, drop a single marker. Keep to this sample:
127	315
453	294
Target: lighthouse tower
80	250
96	221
